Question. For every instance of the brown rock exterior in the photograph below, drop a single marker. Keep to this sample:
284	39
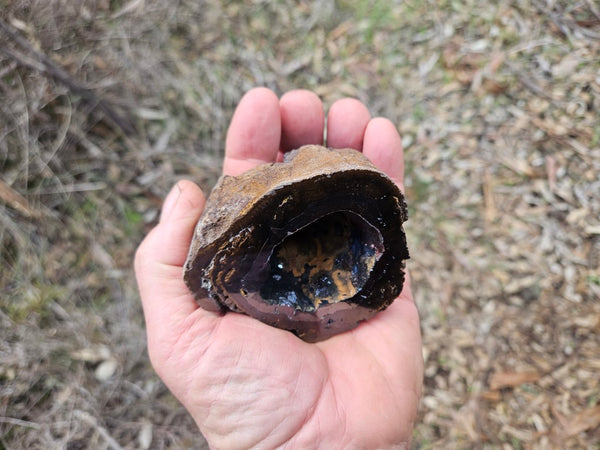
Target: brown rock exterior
313	245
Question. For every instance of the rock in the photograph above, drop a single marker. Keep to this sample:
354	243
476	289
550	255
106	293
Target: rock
313	245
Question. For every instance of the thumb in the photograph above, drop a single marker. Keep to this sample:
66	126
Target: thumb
181	210
160	258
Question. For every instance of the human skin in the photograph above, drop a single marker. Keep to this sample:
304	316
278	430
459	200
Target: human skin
249	385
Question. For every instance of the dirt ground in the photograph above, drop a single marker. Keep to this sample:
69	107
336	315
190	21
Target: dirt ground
104	104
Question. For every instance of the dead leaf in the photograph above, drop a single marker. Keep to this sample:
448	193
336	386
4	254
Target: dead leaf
551	170
566	66
91	354
501	380
491	396
340	30
488	195
584	420
16	201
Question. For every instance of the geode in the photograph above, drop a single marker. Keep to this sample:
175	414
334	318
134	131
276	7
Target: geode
313	244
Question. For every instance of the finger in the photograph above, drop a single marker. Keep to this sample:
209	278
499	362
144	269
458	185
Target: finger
254	133
302	119
383	146
160	257
346	123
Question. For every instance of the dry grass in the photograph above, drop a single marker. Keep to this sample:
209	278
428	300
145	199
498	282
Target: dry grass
106	103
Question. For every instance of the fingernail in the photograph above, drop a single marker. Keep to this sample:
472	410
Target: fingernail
170	201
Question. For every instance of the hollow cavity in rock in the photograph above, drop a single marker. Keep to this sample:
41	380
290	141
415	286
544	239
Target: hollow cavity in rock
327	261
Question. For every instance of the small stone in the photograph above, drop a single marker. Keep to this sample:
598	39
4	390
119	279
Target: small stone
145	435
106	369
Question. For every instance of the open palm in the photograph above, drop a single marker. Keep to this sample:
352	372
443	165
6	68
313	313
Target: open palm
250	385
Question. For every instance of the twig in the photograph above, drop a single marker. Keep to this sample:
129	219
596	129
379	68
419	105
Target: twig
79	187
43	63
565	25
595	11
90	420
529	83
16	201
555	18
20	423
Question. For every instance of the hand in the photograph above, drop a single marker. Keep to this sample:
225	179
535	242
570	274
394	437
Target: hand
245	383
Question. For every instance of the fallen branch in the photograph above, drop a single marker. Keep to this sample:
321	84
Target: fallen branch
103	432
36	60
529	83
20	423
16	201
565	25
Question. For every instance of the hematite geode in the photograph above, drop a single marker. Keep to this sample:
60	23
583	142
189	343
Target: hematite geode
313	245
